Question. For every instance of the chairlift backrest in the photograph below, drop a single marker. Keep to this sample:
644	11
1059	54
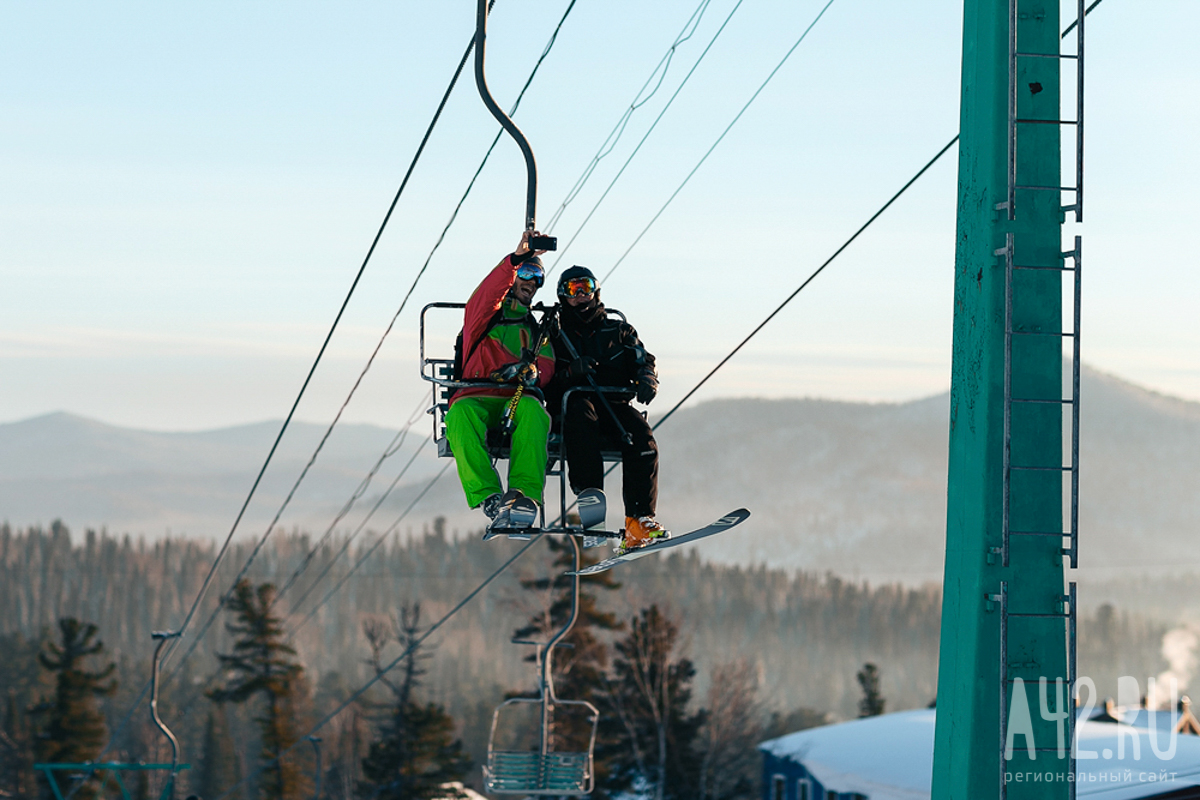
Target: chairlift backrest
542	771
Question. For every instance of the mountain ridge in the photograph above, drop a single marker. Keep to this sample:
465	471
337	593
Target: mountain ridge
853	487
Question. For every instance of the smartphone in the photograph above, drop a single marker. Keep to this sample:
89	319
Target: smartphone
543	243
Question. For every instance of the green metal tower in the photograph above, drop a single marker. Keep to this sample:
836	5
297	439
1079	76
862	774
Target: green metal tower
1008	622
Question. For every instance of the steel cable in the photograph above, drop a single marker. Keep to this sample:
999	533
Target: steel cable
710	150
562	253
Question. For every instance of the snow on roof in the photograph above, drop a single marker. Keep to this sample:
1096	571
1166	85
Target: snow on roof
890	757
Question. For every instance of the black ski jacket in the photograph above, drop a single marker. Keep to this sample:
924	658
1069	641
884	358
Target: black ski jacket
621	360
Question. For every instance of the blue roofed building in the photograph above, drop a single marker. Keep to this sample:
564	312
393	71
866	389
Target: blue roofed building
1124	754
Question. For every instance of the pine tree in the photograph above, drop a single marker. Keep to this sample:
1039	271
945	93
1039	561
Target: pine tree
74	731
649	735
263	666
219	767
872	702
417	754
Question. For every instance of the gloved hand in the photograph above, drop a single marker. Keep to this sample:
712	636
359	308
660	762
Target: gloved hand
647	389
581	367
512	373
529	376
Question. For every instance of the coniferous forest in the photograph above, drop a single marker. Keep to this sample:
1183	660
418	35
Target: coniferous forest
691	664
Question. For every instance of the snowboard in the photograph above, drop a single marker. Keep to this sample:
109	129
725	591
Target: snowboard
726	522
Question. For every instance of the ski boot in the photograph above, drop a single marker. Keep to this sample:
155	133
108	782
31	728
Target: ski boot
641	531
592	512
517	512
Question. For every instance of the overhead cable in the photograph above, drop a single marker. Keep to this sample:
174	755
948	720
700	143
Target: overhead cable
389	451
808	280
728	127
562	253
362	524
291	413
660	69
378	542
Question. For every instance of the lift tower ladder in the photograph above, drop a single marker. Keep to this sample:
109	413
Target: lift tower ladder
1019	126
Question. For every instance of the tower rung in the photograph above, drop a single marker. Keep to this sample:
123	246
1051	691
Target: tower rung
1047	55
1068	334
1041	469
1051	188
1066	401
1061	615
1062	534
1043	266
1032	121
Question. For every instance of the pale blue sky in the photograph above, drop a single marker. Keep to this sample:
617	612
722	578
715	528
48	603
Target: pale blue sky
187	192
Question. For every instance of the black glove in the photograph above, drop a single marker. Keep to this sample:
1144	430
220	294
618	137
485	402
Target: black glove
582	367
647	388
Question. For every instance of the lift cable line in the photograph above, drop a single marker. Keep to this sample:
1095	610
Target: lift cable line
392	448
370	361
354	284
728	127
368	553
346	545
387	331
660	69
362	524
1071	27
536	537
562	253
810	278
287	421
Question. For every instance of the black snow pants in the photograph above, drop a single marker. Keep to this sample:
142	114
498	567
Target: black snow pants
588	429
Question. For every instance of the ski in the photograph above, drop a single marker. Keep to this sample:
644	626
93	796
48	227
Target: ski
726	522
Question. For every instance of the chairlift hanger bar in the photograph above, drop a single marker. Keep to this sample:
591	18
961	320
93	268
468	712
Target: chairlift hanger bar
538	242
481	16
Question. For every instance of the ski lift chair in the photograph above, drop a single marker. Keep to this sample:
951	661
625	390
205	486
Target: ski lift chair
545	770
440	372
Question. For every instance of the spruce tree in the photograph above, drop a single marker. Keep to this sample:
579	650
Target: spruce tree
262	666
74	731
648	733
417	754
872	702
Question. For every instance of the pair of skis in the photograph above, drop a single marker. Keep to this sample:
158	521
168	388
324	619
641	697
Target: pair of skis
592	513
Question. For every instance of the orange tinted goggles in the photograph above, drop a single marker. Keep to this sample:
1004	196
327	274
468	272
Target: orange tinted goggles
579	287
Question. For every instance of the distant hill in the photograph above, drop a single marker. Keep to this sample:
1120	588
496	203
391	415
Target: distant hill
857	488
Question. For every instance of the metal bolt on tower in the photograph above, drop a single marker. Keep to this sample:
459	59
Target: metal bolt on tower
1006	674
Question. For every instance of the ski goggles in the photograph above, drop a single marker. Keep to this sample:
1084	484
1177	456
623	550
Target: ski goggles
532	272
578	287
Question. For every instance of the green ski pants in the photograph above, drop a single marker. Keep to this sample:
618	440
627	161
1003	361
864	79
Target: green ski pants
467	424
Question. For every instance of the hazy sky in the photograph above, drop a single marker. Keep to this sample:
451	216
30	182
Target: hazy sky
186	193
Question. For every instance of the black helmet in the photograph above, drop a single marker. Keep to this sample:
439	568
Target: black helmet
572	274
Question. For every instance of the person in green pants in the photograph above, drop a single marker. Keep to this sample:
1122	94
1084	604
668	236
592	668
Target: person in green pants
499	334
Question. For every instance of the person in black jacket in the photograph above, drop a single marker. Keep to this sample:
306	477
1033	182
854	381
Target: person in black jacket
608	351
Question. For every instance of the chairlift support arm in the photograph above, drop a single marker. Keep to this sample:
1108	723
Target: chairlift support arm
481	16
